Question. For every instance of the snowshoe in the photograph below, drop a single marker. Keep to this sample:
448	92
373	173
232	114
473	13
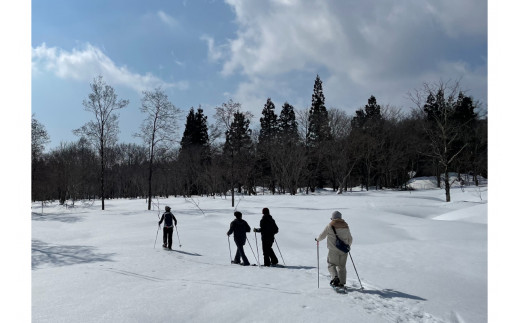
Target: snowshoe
340	289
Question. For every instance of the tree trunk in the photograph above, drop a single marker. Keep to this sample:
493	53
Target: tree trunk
150	186
102	176
447	185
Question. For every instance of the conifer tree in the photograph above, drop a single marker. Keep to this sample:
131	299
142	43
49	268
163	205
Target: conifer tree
195	150
319	129
287	125
267	143
366	136
268	124
238	148
317	134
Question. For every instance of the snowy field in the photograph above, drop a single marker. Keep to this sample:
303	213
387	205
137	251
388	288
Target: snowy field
419	259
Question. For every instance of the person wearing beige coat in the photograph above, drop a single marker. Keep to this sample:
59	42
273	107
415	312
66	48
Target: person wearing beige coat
336	259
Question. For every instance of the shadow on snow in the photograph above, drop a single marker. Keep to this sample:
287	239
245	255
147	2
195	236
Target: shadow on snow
65	218
187	253
60	255
386	293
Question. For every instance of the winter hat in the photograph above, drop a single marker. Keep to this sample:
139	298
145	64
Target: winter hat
265	211
336	215
167	208
238	214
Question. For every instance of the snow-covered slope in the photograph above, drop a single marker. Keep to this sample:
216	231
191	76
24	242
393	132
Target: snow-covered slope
419	259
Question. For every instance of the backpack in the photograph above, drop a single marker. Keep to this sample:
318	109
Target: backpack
339	243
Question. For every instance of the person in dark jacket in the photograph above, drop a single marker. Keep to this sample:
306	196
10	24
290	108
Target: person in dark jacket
169	221
239	228
268	229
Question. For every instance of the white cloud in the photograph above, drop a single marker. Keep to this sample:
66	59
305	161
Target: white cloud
167	19
359	48
215	53
86	63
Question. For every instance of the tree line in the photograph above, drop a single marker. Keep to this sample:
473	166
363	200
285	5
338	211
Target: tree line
379	147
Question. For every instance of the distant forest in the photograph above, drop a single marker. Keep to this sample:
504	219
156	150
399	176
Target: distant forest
379	147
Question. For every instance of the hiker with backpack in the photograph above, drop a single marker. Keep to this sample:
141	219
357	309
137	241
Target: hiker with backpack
239	228
336	258
169	221
268	229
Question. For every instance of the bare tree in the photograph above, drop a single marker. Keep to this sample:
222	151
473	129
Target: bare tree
224	116
102	131
158	129
439	105
302	117
39	138
341	151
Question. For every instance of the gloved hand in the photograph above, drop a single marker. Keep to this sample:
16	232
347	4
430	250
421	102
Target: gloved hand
315	239
256	230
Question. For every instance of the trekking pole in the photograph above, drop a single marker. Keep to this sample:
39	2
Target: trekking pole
279	251
158	227
229	244
177	230
356	270
318	256
253	252
257	248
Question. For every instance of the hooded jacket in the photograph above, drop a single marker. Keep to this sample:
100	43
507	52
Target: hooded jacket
342	230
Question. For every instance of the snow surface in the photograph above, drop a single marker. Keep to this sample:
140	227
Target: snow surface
419	259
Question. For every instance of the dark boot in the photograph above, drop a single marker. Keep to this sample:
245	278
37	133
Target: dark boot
334	282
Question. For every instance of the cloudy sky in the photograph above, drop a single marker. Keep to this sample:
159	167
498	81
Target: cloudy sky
204	52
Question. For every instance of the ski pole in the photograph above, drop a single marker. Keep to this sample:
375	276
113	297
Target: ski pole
356	270
158	227
177	230
318	256
279	251
256	241
229	244
253	252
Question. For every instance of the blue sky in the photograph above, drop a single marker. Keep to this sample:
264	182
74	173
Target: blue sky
207	52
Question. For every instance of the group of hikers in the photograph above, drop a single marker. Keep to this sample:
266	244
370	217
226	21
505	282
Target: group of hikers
337	229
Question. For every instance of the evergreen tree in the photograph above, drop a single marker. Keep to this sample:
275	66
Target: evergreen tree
318	133
366	136
189	131
238	149
319	129
238	137
268	124
195	151
195	131
370	118
287	125
289	160
267	144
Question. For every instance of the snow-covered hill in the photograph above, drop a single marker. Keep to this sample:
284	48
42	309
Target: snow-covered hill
419	259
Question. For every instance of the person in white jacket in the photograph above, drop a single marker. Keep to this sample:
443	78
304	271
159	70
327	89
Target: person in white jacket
336	259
